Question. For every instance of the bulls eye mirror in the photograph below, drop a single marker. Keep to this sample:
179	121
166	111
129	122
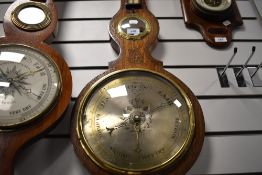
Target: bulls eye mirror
31	15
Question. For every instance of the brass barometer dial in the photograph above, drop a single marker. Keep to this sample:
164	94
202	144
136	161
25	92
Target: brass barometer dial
30	82
136	118
35	81
121	122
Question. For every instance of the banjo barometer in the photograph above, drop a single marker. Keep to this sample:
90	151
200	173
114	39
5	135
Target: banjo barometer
136	118
35	81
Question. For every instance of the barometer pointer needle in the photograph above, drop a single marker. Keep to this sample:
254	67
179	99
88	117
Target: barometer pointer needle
29	73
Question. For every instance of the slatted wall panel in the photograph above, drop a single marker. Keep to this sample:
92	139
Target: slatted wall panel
233	115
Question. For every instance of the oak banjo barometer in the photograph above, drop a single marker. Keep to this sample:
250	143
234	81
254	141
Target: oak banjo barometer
215	19
35	81
136	118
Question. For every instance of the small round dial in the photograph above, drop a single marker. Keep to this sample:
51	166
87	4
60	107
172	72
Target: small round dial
135	121
133	27
215	6
29	84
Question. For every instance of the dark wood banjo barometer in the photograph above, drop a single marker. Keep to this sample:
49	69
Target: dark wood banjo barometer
215	19
35	81
137	118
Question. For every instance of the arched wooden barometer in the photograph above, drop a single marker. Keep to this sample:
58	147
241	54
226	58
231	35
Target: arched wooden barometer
137	118
215	19
35	81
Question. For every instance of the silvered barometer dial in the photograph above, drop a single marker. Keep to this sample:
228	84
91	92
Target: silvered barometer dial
29	84
216	6
134	121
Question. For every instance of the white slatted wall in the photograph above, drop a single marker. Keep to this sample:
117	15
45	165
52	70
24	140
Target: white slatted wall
233	115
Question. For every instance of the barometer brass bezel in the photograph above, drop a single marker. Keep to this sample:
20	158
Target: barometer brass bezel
87	149
31	27
136	37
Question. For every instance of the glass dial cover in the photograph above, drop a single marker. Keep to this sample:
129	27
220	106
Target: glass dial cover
29	84
133	27
213	5
135	121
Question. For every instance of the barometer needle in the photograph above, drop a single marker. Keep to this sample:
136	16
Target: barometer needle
161	106
29	73
137	130
2	72
28	91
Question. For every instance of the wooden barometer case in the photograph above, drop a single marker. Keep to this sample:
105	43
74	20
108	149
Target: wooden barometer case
35	81
214	19
136	118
